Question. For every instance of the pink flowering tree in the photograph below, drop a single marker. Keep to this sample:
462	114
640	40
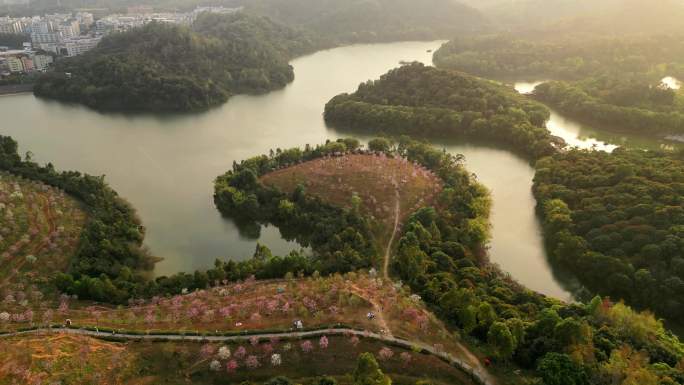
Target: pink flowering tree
385	354
240	352
323	342
231	366
405	358
307	346
207	351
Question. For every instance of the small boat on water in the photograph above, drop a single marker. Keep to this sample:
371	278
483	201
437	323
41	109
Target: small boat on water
429	51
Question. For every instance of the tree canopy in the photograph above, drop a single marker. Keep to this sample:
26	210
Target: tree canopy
571	56
161	67
616	220
354	21
416	99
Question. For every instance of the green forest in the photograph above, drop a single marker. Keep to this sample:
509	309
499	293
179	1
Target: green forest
341	239
441	256
111	242
171	68
415	99
565	57
334	21
360	21
621	104
13	40
616	221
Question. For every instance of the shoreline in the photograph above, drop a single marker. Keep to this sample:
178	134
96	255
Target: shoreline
16	89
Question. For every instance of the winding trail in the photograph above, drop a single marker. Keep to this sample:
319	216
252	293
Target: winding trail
388	250
477	375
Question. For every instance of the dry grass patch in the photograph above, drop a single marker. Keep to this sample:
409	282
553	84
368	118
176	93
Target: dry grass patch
376	179
66	359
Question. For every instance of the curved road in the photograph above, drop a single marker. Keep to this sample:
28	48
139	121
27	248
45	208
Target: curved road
478	375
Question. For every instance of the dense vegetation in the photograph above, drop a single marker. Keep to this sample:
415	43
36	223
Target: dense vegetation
111	242
632	104
572	56
424	100
439	256
354	21
257	33
163	67
341	238
616	221
13	40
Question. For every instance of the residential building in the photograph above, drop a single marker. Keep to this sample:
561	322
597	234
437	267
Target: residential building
42	62
27	63
80	45
11	26
69	29
86	19
15	64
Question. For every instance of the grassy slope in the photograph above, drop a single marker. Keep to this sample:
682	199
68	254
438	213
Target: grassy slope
37	221
82	360
375	179
258	305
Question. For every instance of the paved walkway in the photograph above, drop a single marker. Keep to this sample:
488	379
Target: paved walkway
477	374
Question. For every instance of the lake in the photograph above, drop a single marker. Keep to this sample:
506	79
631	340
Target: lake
165	164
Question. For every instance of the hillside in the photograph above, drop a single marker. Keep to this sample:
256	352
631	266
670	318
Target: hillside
387	189
40	232
605	16
170	68
570	56
358	21
319	360
615	221
415	99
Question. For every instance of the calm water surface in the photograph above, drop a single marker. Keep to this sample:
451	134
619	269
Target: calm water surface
165	165
584	136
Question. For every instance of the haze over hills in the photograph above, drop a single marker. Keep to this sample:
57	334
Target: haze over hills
606	16
376	20
339	20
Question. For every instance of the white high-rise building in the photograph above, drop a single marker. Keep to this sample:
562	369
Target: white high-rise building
78	46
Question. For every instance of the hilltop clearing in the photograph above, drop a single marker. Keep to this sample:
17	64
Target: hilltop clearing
373	184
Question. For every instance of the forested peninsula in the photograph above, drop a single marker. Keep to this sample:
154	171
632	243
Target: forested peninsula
632	104
616	220
162	67
415	99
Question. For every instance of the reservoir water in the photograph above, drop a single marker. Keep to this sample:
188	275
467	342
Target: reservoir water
165	165
581	135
